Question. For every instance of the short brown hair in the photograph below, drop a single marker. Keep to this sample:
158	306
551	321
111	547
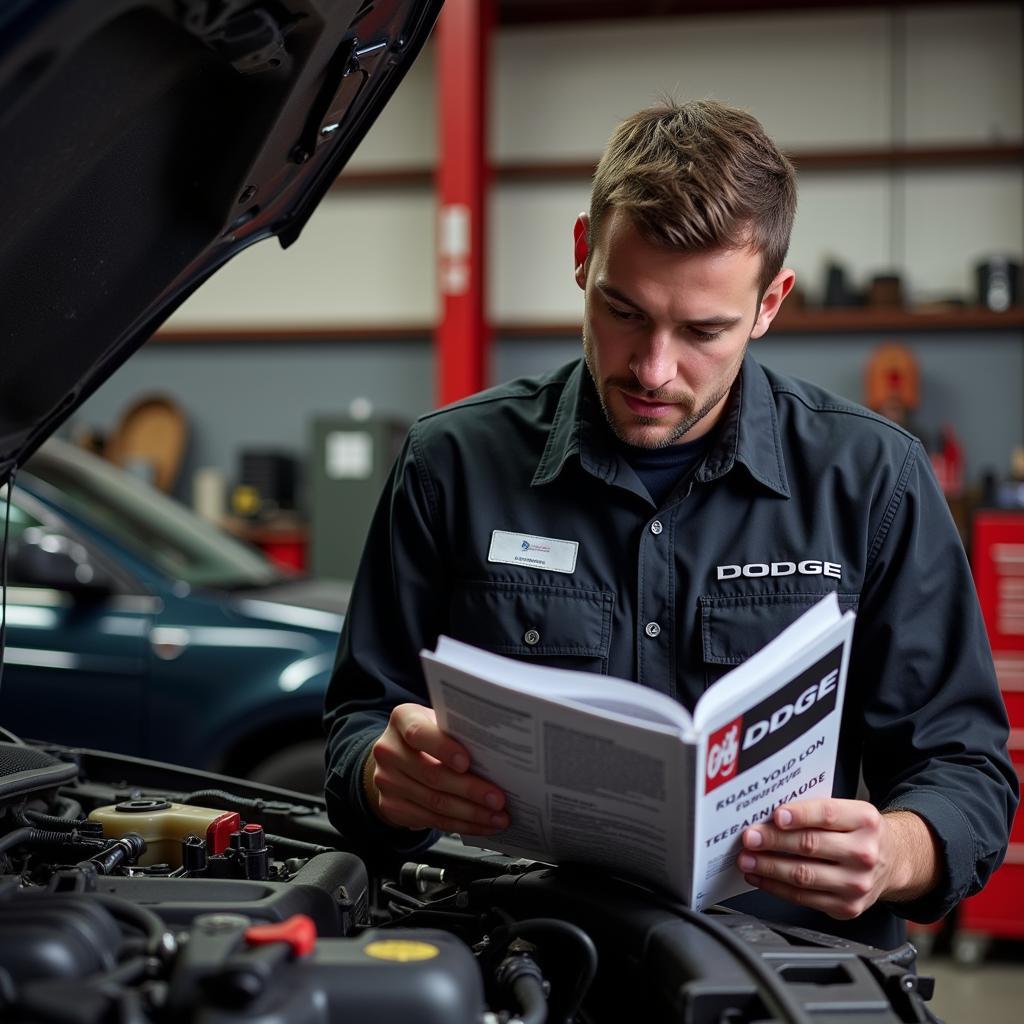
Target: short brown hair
696	176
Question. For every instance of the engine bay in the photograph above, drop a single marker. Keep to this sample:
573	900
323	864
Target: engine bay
139	892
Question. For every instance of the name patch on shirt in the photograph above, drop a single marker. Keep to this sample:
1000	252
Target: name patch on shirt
533	552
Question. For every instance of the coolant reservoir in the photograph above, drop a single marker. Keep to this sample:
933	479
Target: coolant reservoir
164	825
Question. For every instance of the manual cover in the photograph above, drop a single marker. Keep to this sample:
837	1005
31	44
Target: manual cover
609	773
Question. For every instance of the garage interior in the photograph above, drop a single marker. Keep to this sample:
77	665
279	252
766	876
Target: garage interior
274	399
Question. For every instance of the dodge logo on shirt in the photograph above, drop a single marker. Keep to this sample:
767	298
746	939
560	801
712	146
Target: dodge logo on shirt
809	567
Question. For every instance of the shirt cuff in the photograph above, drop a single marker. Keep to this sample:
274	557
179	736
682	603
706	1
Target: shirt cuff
956	851
350	811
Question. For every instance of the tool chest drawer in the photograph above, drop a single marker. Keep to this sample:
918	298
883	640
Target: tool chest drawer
998	565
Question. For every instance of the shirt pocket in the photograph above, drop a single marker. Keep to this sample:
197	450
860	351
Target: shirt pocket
734	628
569	627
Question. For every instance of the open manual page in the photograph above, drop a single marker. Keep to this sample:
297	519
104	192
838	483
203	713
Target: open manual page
609	773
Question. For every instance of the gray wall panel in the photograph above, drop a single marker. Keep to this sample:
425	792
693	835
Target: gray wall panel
250	396
264	396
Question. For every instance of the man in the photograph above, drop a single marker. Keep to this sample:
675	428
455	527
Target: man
681	505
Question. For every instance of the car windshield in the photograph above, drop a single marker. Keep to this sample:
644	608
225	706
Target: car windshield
157	528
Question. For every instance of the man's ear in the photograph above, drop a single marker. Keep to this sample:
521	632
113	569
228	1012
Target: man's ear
581	249
771	301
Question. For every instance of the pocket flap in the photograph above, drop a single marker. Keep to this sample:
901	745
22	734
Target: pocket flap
734	628
532	619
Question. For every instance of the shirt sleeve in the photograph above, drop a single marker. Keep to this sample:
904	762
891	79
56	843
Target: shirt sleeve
395	610
932	719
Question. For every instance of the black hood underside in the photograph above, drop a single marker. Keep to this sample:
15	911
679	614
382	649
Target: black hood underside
145	143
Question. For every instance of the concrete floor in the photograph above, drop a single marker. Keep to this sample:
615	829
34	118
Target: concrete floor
990	993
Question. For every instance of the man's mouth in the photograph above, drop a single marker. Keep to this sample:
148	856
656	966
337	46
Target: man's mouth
645	407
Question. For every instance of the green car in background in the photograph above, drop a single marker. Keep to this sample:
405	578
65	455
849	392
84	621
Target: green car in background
135	626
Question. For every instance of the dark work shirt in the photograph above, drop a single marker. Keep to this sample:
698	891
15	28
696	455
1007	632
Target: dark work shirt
673	594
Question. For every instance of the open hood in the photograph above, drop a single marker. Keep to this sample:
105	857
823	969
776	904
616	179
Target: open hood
145	143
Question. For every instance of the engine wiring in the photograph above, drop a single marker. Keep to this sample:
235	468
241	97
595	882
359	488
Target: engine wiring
151	954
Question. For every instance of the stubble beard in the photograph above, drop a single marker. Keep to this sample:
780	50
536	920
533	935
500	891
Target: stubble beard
687	423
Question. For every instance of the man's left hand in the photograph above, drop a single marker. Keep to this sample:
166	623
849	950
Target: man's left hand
840	856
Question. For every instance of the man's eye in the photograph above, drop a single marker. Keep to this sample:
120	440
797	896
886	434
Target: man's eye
622	314
706	335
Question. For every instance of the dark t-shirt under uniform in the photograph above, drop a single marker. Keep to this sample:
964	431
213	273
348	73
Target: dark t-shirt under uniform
661	470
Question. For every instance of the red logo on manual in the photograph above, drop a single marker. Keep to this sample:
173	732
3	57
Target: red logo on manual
723	754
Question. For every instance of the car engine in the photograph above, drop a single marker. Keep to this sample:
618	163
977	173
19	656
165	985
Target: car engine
133	891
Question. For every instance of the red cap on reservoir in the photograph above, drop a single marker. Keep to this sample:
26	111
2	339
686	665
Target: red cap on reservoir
299	931
218	832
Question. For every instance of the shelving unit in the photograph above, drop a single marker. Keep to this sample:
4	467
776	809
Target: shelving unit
880	318
805	160
792	320
801	321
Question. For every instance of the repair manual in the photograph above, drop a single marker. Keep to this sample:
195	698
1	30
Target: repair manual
608	773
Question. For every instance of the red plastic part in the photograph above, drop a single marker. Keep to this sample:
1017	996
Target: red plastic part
299	931
463	335
218	832
288	554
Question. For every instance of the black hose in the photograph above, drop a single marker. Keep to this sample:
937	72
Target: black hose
63	810
562	1009
37	819
529	994
139	917
30	834
229	801
520	977
222	795
18	836
295	846
67	808
81	845
128	848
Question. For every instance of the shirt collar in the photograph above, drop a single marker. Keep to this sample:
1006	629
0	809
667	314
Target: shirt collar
569	423
748	434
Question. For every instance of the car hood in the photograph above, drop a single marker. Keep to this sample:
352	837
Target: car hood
146	143
317	594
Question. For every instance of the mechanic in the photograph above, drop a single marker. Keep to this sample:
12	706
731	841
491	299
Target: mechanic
680	505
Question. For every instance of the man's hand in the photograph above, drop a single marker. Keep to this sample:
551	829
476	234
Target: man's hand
417	777
840	856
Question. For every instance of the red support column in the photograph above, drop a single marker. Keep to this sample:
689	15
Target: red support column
462	338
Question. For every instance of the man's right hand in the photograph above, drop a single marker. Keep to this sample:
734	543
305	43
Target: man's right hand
417	777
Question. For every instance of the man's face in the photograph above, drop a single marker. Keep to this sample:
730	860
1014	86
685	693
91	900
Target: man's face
665	332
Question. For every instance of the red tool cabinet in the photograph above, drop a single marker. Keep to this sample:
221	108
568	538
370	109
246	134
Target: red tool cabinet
998	564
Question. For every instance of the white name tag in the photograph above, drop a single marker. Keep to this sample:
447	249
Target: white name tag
533	552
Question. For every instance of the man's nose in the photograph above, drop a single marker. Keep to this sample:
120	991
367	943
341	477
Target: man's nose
655	365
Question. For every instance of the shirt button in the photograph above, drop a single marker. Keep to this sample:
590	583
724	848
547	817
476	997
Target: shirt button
652	629
531	637
656	527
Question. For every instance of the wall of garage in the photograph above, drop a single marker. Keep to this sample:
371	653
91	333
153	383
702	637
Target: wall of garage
948	74
264	397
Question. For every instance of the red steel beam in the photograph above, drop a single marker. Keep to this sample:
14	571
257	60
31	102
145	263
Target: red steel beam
462	338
